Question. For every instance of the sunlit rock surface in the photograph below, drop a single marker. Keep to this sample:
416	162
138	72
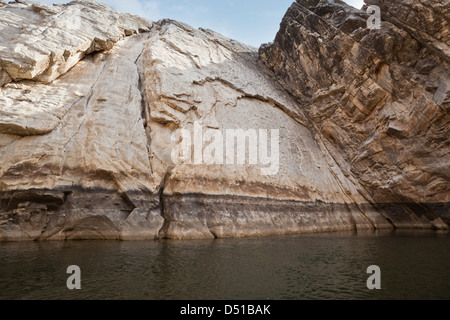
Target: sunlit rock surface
91	98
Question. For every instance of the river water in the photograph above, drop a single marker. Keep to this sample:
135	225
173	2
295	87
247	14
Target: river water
414	265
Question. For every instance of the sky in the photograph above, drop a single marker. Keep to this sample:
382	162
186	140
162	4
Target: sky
252	22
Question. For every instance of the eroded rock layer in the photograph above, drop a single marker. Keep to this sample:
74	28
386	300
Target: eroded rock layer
378	98
91	100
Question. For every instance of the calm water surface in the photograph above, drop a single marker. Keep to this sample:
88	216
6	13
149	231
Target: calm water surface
414	265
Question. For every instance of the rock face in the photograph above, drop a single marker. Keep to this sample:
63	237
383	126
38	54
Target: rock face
95	105
379	99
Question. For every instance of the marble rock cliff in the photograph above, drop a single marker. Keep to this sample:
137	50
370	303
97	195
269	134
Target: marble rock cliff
91	100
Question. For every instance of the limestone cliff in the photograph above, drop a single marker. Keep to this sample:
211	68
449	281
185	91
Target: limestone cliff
91	99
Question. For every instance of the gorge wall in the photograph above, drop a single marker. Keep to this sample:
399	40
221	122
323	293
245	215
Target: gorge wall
91	98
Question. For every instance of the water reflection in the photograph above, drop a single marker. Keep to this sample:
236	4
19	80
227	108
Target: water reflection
324	266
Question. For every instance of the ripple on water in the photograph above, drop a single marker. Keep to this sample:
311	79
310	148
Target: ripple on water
327	266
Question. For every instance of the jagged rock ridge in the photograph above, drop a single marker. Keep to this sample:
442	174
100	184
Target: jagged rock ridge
86	120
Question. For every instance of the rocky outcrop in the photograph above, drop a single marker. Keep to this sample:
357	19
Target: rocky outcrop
43	42
379	99
80	139
90	123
